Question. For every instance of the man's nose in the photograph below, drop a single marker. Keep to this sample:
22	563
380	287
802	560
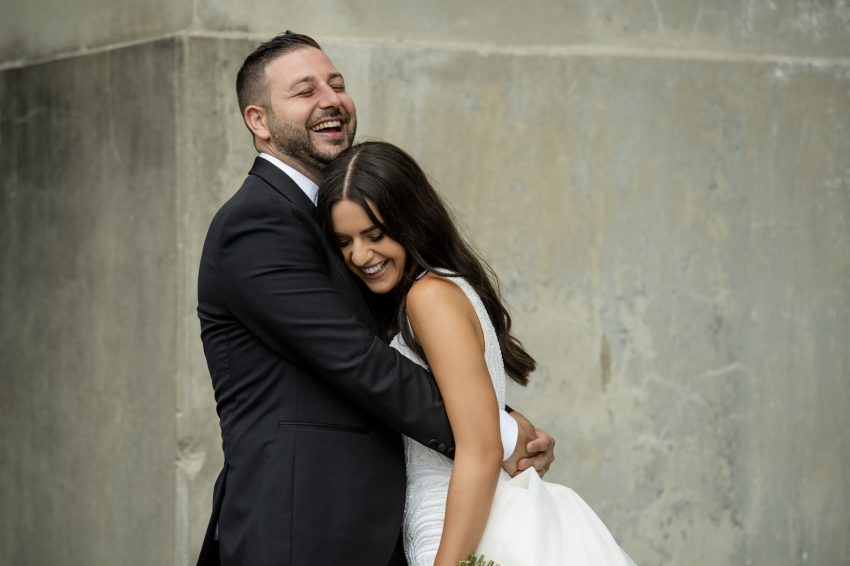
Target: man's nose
329	98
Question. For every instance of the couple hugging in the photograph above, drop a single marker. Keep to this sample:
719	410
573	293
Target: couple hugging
340	448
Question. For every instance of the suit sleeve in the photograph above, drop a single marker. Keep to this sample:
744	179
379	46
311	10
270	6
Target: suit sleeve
274	276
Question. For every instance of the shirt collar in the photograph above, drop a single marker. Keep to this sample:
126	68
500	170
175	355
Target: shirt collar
310	188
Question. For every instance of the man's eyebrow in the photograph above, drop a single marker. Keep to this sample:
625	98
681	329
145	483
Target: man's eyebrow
312	79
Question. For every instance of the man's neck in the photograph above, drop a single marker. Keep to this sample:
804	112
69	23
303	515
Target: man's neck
302	168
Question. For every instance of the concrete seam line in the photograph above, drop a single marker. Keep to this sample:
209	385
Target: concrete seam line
561	51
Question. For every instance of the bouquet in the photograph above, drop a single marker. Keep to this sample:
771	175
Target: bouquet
476	561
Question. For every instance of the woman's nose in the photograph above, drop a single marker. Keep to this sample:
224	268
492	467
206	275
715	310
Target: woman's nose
360	254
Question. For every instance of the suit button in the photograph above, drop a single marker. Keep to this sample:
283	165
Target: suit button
442	448
432	443
450	451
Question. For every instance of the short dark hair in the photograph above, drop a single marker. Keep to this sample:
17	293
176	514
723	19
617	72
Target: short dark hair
250	81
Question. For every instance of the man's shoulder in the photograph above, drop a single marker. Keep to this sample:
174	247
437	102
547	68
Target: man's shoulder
255	196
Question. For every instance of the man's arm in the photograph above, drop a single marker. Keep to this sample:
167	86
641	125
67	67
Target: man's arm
273	273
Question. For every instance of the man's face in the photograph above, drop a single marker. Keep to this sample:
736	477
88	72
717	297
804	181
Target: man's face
311	117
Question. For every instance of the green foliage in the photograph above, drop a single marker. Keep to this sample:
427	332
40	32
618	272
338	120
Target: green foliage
476	561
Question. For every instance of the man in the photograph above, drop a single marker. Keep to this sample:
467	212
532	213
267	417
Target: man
310	401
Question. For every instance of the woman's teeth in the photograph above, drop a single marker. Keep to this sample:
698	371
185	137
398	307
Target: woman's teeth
374	269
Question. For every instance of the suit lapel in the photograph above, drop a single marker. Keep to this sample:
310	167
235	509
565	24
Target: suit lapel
282	183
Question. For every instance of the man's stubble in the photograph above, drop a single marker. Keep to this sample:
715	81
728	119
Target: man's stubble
294	142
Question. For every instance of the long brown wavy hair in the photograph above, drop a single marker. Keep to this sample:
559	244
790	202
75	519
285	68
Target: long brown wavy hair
415	216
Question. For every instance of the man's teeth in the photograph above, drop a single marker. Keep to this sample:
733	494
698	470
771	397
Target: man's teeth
375	269
326	125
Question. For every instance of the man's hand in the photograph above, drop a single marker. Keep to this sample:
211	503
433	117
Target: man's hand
534	447
542	449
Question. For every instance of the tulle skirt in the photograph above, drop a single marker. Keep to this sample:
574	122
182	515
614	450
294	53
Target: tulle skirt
537	523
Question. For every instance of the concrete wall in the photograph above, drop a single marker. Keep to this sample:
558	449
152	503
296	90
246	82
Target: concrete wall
46	29
664	188
87	233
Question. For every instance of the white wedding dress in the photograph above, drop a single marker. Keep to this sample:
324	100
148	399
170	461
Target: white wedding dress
532	522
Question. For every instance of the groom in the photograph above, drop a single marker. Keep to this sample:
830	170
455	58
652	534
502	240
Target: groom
311	402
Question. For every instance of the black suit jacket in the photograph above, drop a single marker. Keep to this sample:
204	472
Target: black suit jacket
310	400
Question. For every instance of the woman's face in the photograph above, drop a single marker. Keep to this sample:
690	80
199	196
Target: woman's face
373	256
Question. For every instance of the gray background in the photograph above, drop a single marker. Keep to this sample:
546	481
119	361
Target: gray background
663	187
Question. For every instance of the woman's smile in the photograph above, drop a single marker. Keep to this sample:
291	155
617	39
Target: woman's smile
375	271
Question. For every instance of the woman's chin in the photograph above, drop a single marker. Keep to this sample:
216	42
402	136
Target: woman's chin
383	285
379	288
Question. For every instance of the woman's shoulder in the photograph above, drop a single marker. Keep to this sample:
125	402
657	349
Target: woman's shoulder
433	293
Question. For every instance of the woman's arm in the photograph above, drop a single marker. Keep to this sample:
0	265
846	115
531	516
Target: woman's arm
446	326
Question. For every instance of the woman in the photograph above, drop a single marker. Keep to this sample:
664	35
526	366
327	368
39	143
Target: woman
397	236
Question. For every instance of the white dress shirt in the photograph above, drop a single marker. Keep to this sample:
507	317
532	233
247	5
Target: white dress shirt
310	188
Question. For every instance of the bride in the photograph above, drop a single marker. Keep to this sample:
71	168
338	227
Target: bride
445	313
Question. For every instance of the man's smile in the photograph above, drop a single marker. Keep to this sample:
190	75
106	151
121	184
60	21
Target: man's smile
333	125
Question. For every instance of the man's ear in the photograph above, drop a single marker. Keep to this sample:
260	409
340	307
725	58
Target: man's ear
257	120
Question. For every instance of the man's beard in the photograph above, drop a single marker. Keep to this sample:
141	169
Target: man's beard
295	142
